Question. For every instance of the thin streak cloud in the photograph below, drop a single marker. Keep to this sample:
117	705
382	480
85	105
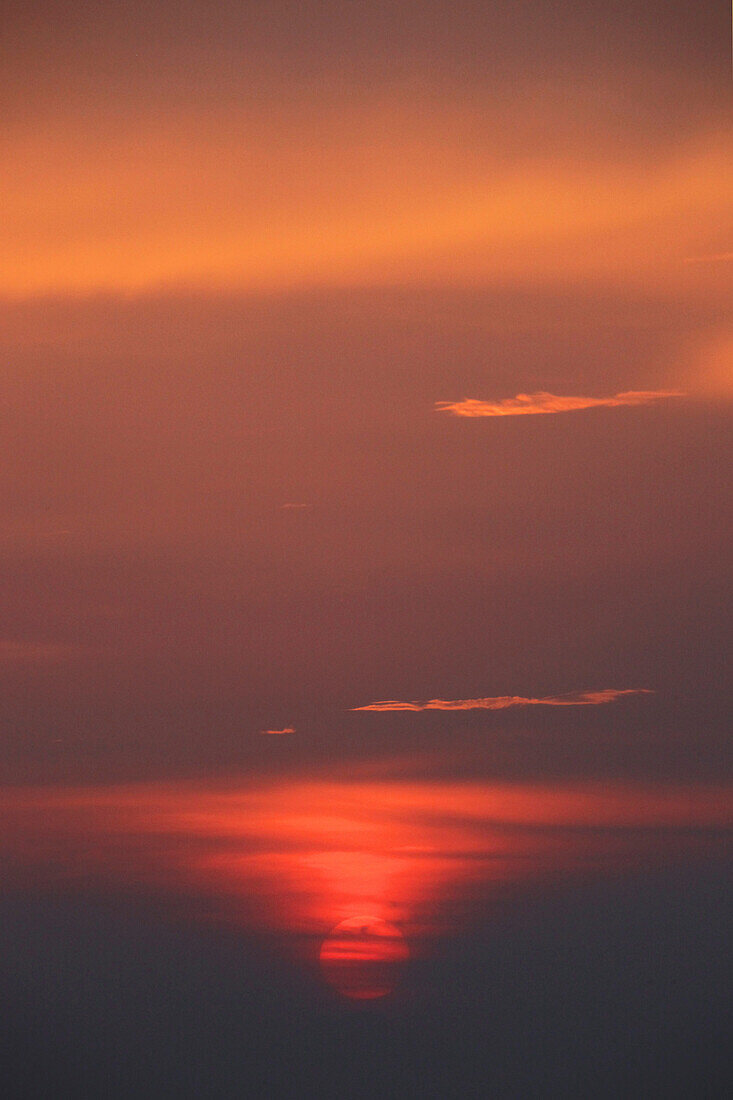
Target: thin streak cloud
278	733
503	702
525	404
713	258
24	652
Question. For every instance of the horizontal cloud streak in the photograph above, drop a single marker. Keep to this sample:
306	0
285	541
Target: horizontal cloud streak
713	258
503	702
277	733
525	404
24	652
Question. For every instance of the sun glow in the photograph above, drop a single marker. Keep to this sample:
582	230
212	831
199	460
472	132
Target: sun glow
361	957
300	858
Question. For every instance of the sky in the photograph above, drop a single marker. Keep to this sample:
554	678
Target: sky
364	509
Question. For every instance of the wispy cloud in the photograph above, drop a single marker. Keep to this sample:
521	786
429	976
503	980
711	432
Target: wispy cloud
278	733
13	651
503	702
713	258
525	404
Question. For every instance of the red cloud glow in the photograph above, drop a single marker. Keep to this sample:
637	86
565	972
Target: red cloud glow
306	855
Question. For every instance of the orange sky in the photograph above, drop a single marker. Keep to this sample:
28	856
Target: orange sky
212	204
365	434
252	254
271	146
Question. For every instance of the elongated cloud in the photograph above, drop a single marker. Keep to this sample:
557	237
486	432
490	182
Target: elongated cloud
503	702
526	404
278	733
713	258
23	652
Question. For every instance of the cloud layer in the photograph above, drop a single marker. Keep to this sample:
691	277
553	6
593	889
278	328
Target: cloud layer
525	404
503	702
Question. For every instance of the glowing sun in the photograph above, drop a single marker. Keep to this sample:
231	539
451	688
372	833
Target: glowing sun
362	956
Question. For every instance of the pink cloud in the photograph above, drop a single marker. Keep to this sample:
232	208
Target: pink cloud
278	733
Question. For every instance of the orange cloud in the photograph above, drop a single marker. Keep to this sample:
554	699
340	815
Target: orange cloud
525	404
502	702
390	190
277	733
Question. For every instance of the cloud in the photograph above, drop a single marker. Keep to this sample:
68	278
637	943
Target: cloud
435	203
277	733
713	258
503	702
525	404
23	652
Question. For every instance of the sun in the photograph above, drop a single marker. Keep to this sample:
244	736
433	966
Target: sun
361	957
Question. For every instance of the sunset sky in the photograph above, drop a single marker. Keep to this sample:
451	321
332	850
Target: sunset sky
364	496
